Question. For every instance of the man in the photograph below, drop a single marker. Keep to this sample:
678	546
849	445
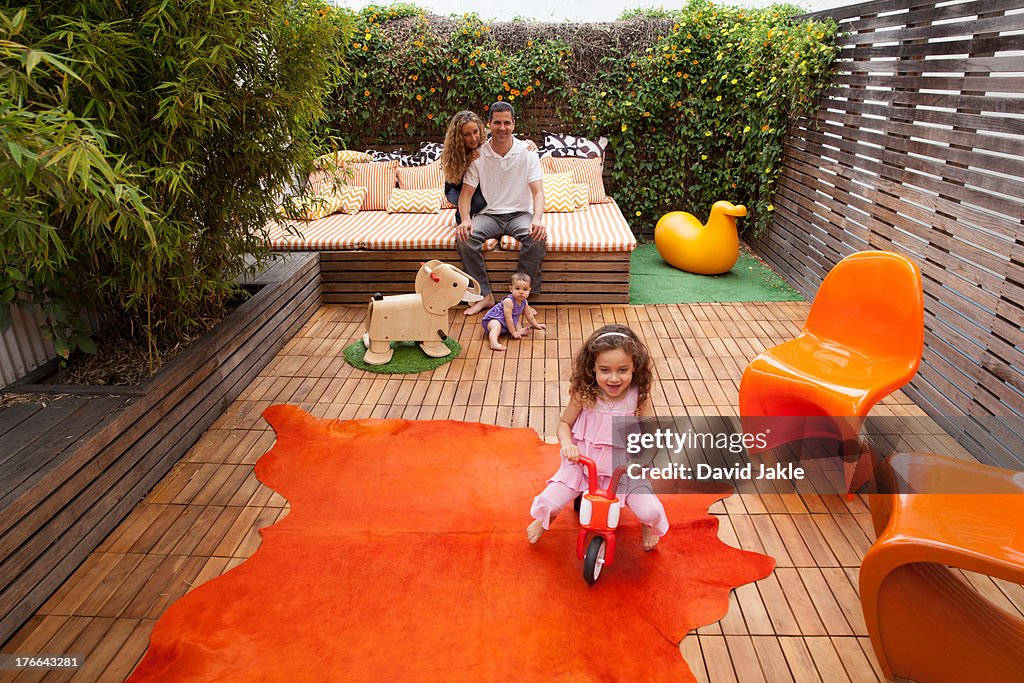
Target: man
509	175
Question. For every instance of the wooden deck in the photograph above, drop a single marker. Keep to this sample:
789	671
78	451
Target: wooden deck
802	623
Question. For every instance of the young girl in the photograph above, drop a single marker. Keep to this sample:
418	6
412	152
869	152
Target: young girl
611	378
504	316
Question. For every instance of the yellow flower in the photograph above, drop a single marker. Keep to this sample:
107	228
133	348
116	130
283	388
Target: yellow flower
367	36
735	81
771	207
419	98
424	60
707	133
356	45
718	99
746	129
768	169
679	74
624	128
703	157
638	213
536	82
665	79
366	93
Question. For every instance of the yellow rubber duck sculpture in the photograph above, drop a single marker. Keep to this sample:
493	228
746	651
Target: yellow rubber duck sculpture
709	249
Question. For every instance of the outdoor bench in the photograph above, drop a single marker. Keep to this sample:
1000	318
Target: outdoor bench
376	251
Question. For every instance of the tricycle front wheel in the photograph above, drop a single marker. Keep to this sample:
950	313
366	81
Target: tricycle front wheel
593	560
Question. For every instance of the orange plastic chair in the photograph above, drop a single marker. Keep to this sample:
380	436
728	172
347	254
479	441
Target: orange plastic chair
926	623
862	341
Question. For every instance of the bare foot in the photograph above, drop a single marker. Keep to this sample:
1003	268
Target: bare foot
526	332
534	531
496	347
648	537
481	305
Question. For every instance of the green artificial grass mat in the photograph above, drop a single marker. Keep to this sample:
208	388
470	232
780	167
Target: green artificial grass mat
653	281
408	358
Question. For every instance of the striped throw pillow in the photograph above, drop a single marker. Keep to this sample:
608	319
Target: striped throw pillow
379	180
559	195
415	201
427	177
583	171
582	193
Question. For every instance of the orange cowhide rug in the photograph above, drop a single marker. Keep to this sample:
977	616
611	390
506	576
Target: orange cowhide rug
404	557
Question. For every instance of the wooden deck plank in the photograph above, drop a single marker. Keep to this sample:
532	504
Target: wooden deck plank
803	622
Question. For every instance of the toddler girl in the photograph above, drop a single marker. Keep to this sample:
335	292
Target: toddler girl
504	316
611	378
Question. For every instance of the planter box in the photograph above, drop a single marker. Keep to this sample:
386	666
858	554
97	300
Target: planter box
71	471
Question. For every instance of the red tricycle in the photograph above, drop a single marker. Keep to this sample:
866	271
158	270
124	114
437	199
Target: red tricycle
599	513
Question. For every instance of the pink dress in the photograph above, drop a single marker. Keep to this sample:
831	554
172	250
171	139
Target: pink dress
593	435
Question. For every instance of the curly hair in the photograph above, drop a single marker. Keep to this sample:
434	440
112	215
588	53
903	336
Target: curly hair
584	381
453	157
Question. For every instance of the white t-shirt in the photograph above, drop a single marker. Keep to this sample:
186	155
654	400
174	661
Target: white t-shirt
505	181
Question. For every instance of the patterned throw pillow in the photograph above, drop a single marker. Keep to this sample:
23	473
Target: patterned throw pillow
565	145
583	171
428	153
379	181
582	194
342	200
415	201
342	156
421	177
398	155
349	199
559	195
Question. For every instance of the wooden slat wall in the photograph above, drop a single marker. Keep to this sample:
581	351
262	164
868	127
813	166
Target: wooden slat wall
918	148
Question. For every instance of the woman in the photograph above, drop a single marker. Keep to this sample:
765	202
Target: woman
462	140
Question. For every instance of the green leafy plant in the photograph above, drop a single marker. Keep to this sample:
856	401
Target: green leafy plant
696	102
145	145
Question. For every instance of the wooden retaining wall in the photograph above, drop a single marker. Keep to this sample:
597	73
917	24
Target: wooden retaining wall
918	148
71	470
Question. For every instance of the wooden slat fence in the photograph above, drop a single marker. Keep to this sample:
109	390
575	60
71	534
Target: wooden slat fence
918	148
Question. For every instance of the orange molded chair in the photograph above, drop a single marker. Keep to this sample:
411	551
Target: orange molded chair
862	341
926	623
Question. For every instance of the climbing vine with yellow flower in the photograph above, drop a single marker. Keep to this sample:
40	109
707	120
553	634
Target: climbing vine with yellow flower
695	112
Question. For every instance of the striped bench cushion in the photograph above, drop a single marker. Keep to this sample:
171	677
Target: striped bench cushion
416	231
336	232
602	227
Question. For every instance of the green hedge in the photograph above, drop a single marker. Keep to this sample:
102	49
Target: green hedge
696	102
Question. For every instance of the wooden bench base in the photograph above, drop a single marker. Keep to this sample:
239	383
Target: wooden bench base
352	277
